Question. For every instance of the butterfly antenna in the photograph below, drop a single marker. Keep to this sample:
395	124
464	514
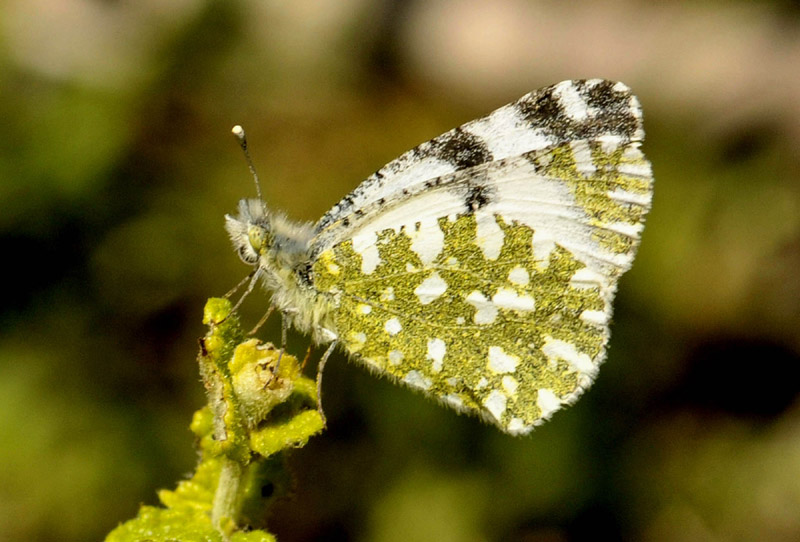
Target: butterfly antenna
238	133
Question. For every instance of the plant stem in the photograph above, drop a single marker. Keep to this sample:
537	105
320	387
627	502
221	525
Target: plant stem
226	498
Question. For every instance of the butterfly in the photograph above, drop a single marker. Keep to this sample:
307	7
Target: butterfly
479	267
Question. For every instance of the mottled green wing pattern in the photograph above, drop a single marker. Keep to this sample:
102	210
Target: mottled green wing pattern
490	310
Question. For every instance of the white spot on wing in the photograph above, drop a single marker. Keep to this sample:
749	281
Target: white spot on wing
583	157
356	340
619	86
436	352
547	402
427	241
416	380
454	401
516	426
627	229
430	289
506	298
495	403
571	101
542	245
393	326
485	310
333	268
623	196
519	276
597	318
587	278
556	349
609	142
489	235
510	384
500	362
365	245
395	357
506	134
636	169
634	154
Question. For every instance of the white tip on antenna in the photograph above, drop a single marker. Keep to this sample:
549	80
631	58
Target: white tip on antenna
238	133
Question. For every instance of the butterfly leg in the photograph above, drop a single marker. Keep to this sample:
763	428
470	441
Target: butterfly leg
263	319
307	357
239	285
323	360
253	277
284	330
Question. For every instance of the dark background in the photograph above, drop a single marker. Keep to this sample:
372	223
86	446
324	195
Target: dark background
117	166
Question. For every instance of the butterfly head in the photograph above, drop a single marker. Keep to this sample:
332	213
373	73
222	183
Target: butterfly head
250	231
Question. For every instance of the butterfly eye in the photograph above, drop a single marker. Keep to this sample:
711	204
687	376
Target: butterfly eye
256	235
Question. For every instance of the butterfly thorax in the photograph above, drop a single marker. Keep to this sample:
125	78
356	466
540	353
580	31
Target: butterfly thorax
278	248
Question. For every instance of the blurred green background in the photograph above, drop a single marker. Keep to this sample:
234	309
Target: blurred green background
117	166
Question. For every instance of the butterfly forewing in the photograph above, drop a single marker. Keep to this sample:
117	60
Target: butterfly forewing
595	109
